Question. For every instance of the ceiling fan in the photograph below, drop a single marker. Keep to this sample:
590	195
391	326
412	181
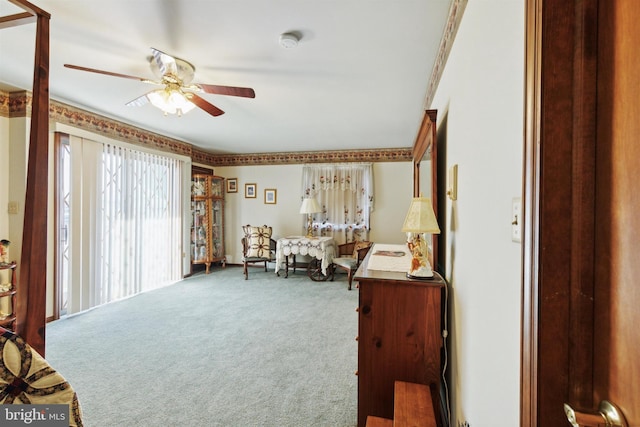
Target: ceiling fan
179	95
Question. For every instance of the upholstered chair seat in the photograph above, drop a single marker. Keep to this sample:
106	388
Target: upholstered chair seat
348	259
257	247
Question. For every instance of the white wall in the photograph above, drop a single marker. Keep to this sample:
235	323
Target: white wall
392	189
18	150
480	114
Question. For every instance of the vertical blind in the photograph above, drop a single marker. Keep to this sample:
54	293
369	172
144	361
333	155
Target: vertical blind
128	223
138	222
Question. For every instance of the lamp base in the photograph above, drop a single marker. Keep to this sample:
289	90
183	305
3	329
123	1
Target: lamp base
309	226
424	272
420	267
411	276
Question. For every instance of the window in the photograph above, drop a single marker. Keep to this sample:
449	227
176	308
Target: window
345	193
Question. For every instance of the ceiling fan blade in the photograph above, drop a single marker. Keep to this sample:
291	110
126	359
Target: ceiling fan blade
138	102
165	62
108	73
204	104
228	90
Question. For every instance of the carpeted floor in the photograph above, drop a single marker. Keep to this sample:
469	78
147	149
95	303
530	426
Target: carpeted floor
216	350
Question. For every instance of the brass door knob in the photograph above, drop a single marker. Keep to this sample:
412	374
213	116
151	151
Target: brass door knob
608	415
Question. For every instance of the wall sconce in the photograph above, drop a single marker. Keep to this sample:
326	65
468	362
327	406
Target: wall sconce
452	183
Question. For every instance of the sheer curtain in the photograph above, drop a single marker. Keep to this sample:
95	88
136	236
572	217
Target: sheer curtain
345	193
126	227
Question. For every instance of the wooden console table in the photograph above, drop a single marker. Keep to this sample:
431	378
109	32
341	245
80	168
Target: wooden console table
399	337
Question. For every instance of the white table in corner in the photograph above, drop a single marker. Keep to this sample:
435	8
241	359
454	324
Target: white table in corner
320	248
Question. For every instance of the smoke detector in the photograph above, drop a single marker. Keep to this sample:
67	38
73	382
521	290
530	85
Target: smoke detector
289	40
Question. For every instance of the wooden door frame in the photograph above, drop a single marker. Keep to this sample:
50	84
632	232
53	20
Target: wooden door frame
425	146
559	204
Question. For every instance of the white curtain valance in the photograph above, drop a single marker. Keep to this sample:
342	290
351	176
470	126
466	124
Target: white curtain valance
350	177
354	177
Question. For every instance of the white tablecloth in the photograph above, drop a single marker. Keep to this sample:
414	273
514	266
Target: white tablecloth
321	248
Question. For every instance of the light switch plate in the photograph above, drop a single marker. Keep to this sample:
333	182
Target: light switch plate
12	208
516	219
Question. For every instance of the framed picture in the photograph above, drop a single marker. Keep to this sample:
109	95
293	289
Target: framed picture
232	185
250	191
270	195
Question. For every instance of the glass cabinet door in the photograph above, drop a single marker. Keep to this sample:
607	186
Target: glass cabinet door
217	248
216	187
207	220
199	186
199	231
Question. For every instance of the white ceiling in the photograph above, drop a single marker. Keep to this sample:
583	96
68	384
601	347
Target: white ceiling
357	80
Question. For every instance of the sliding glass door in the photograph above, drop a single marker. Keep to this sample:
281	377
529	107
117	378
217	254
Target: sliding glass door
119	222
62	214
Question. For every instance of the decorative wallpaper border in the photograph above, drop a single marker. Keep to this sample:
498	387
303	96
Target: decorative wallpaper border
18	104
95	123
15	104
379	155
453	22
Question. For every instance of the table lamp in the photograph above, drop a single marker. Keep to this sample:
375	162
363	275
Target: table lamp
420	220
309	207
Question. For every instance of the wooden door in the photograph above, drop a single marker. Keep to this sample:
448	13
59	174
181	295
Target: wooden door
581	323
616	373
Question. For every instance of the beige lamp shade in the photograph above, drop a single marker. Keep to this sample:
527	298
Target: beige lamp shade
421	218
309	206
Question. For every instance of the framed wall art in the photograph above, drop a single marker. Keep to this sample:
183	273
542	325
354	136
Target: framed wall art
270	195
232	185
250	191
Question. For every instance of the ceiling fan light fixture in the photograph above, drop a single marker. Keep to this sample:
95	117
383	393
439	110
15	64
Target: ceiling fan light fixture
170	101
289	40
175	74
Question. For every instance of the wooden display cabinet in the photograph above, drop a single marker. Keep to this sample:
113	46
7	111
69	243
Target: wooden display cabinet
207	220
8	295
